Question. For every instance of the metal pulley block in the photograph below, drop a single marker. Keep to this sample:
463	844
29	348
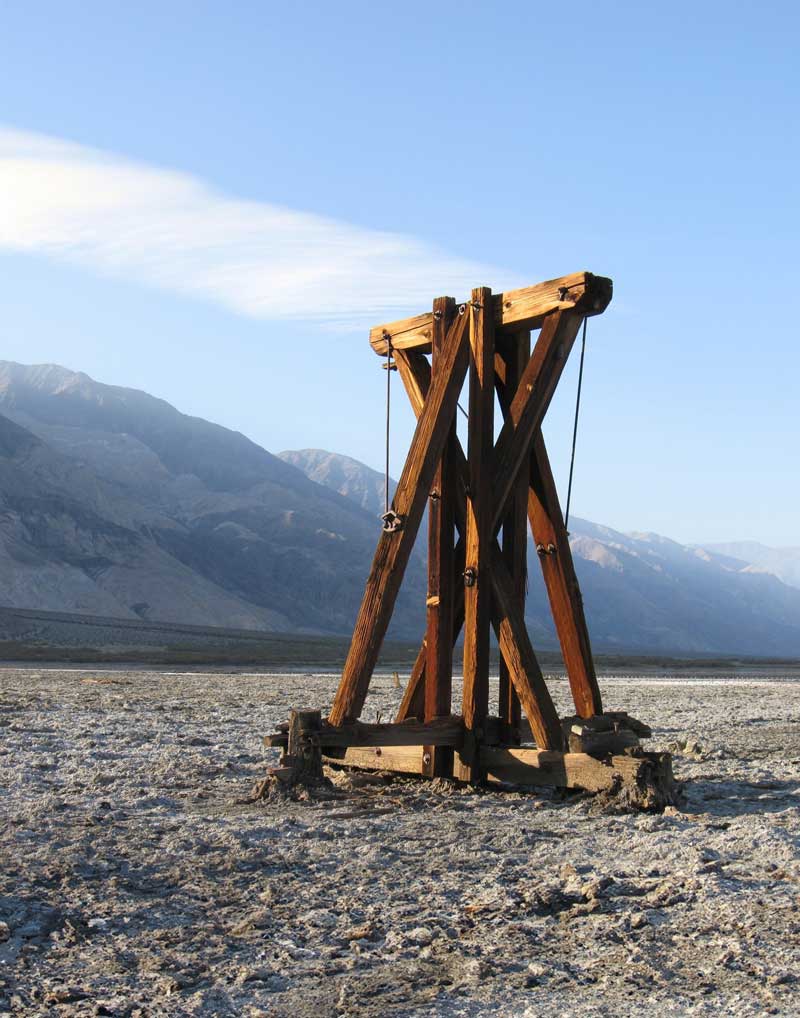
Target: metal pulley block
391	521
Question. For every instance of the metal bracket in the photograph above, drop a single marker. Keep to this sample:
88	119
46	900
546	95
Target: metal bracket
392	522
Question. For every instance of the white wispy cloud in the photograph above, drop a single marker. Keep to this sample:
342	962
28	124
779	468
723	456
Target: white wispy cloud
172	230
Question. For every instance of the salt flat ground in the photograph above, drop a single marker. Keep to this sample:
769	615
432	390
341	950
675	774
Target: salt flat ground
133	883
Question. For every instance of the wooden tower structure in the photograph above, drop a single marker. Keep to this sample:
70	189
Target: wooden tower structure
481	500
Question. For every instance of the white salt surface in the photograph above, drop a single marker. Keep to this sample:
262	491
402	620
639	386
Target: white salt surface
134	884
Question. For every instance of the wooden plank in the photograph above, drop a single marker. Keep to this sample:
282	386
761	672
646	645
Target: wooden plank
446	731
521	766
477	573
415	373
530	402
514	356
415	333
515	646
566	603
441	540
515	309
394	549
401	759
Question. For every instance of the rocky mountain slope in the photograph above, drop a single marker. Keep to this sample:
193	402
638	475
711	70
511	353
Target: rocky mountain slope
351	478
113	503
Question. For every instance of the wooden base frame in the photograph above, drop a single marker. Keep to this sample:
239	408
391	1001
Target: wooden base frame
481	503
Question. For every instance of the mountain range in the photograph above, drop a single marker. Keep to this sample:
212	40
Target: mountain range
113	503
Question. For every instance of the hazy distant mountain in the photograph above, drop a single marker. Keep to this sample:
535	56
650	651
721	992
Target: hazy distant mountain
647	591
641	591
781	562
113	502
349	477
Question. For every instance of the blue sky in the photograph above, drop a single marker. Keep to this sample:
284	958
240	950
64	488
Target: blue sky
212	202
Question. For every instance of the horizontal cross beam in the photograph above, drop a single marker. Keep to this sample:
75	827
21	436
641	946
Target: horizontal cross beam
516	309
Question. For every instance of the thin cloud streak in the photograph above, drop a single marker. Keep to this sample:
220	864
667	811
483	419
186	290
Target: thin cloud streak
171	230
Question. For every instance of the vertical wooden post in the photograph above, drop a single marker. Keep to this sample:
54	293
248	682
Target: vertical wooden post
441	536
515	354
303	751
479	537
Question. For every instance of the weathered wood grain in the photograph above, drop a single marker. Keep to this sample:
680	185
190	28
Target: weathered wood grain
394	549
515	309
512	358
566	770
441	539
400	759
477	570
445	731
515	646
530	402
441	543
566	603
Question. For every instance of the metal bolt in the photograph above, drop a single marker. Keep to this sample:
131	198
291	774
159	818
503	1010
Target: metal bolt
426	758
470	576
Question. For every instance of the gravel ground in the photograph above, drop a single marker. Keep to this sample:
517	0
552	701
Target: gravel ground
132	881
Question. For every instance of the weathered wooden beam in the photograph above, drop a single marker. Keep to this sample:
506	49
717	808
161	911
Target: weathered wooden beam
512	358
515	309
303	757
515	646
415	373
552	544
522	766
645	778
445	731
530	402
477	570
400	759
564	593
441	538
394	549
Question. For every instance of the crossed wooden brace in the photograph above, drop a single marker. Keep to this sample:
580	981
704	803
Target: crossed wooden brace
488	482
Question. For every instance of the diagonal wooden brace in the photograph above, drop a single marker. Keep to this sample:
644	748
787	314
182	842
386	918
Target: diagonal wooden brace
507	620
530	402
566	604
523	668
563	591
394	549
